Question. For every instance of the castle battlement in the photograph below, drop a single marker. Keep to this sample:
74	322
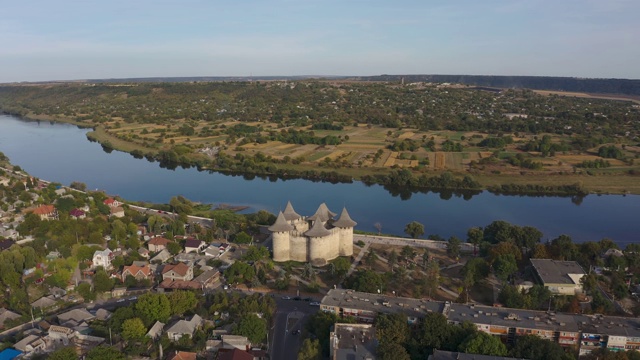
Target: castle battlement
317	238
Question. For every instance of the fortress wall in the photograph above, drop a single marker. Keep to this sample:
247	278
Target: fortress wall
298	248
325	248
280	246
346	241
300	225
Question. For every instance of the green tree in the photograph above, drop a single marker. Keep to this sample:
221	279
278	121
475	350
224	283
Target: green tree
453	247
174	248
253	327
242	238
104	352
414	229
153	307
341	266
65	353
84	289
504	266
392	328
182	301
483	344
102	282
391	351
310	350
256	253
133	329
475	236
535	348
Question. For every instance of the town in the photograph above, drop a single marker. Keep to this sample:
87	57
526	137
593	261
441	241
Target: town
93	276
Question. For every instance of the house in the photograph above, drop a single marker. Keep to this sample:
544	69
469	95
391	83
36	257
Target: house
560	277
158	244
179	271
138	272
161	257
156	330
75	317
144	252
352	341
182	355
103	258
235	354
103	314
77	214
613	252
184	327
60	334
52	255
32	344
194	245
208	278
45	303
7	315
117	212
235	342
46	212
111	202
57	292
119	291
169	285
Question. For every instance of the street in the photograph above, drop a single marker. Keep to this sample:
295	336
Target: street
284	343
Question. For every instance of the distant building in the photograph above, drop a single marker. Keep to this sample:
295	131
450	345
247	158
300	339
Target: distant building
138	272
194	245
158	244
184	327
448	355
560	277
317	238
46	212
179	271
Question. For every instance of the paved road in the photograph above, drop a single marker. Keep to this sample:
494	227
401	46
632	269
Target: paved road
283	343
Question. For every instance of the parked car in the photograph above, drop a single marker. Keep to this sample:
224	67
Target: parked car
121	300
286	298
314	303
297	298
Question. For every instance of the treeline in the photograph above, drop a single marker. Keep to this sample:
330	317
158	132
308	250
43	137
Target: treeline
594	164
602	86
533	189
405	178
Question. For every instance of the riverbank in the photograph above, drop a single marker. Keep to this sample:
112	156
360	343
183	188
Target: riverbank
611	182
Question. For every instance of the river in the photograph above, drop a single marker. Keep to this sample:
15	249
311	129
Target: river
61	153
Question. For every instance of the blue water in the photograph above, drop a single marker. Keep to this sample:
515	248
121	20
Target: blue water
62	153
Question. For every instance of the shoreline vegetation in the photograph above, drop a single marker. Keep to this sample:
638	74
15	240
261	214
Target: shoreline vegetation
403	155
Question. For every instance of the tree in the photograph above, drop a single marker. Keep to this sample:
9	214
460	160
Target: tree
535	348
341	266
182	301
253	327
371	258
242	238
174	248
391	351
393	259
256	253
84	289
432	280
65	353
504	266
133	329
392	328
407	253
153	307
510	297
482	343
475	236
102	282
378	227
453	247
310	350
414	229
104	352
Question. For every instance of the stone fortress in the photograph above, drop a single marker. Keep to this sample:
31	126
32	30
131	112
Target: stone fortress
316	239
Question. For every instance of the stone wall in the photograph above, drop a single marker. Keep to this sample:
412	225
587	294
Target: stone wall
281	246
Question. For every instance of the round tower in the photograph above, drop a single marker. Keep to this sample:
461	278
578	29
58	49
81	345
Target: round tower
344	226
318	243
281	238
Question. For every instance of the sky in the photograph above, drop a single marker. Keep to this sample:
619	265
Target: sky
85	39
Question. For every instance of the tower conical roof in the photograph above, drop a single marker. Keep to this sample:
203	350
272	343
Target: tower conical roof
289	213
317	230
344	221
281	224
323	213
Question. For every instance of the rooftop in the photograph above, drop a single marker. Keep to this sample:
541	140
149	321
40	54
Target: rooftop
353	341
317	230
281	224
323	213
555	271
289	213
344	221
448	355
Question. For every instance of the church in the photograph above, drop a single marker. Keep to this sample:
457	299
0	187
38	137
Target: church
317	238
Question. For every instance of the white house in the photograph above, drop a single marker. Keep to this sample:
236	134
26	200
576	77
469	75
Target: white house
103	258
184	327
